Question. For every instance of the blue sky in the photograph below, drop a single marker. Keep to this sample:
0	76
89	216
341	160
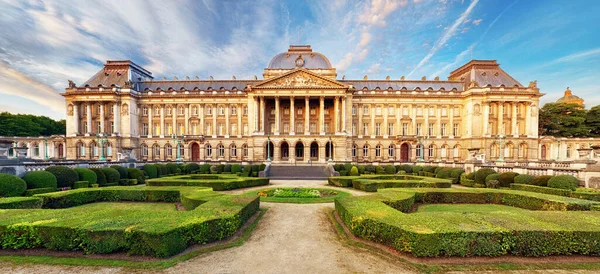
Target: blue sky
42	44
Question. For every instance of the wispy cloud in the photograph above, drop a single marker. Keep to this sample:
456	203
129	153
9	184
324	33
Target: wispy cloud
449	33
573	57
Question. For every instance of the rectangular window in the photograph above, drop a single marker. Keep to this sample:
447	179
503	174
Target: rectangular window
405	111
365	129
378	111
180	110
170	129
245	110
313	127
112	127
365	110
443	129
430	130
419	125
378	129
420	111
404	129
313	111
391	129
169	111
299	127
181	128
326	127
233	129
156	129
233	111
144	129
456	111
99	127
299	110
286	127
390	110
145	111
286	110
444	111
353	111
431	111
353	129
245	129
209	129
455	130
208	110
221	129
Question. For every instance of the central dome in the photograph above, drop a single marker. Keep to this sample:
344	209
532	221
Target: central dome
299	57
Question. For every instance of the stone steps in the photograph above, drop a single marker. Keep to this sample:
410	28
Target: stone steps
281	172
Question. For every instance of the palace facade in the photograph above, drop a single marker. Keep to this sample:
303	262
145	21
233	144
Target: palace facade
300	111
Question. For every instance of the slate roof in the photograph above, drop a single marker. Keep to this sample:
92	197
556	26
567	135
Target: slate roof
484	72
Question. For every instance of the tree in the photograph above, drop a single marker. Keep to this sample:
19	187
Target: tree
592	120
29	125
563	120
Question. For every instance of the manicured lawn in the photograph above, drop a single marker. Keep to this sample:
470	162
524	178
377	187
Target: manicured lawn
468	208
297	195
130	206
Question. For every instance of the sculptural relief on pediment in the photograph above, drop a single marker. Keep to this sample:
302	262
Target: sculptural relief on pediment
300	79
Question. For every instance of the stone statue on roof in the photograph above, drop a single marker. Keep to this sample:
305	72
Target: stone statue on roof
72	84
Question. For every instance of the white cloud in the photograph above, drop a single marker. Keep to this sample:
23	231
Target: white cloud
449	33
477	22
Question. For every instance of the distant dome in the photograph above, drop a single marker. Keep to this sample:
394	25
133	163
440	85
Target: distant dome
300	56
569	98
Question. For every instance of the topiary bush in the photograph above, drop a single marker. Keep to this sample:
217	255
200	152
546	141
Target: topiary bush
456	174
227	168
437	170
11	186
101	178
407	168
134	173
172	168
390	169
564	182
361	169
429	169
151	170
354	171
507	178
347	167
417	169
214	170
65	176
112	176
490	177
190	168
524	179
205	169
236	168
40	179
262	167
85	174
162	170
541	180
122	171
379	170
492	183
481	174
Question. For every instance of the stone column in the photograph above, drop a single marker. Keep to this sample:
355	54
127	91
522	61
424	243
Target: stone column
277	116
438	123
292	118
88	118
398	125
102	129
385	121
321	115
372	123
426	123
215	111
451	113
413	118
262	114
240	113
162	121
150	124
227	124
336	114
359	127
202	125
256	112
486	118
186	126
513	124
174	109
344	106
307	116
75	117
527	118
117	117
501	118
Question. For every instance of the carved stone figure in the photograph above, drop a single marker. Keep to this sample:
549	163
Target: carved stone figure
125	110
533	84
70	110
72	84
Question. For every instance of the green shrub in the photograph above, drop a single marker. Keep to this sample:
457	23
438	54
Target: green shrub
101	178
523	179
162	170
214	170
227	168
262	167
417	169
507	178
361	169
122	171
541	180
437	170
112	176
134	173
11	185
21	202
31	192
81	184
492	183
235	168
429	169
348	167
407	168
564	182
465	181
370	169
205	169
127	182
65	177
343	173
85	174
390	169
40	179
471	176
379	170
171	168
490	177
541	189
481	174
354	171
151	170
189	168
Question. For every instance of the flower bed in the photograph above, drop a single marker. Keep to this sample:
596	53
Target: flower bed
297	195
208	217
371	183
557	226
217	181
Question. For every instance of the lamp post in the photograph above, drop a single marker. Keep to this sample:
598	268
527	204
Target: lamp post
268	147
501	139
101	137
46	148
420	139
330	148
178	141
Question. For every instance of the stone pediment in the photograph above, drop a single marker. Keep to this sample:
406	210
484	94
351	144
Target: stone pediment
300	79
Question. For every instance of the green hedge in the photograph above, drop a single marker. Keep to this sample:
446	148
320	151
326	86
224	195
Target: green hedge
481	175
380	218
31	192
209	217
493	176
564	182
65	176
122	171
127	182
216	182
134	173
112	175
191	167
541	189
11	185
40	179
465	181
20	202
373	185
151	170
81	184
523	179
85	174
172	168
541	180
507	178
100	177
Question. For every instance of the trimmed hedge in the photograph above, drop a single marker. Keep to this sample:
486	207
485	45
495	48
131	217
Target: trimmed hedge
465	181
216	182
81	184
65	176
20	203
481	175
112	175
31	192
541	180
564	182
209	217
85	174
11	186
122	171
507	178
541	189
40	179
373	185
101	178
172	168
523	179
127	182
151	170
191	167
494	176
380	218
353	171
134	173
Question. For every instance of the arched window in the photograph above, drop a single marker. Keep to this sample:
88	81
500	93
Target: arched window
156	150
365	151
419	151
233	150
378	151
94	149
456	151
221	150
80	150
36	149
354	148
391	151
168	150
208	150
522	151
245	150
444	152
108	149
144	149
431	151
568	151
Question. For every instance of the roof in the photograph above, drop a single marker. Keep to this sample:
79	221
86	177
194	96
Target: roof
118	73
484	73
570	98
309	59
196	84
400	84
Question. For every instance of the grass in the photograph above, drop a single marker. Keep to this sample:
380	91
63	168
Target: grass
148	207
157	265
295	200
467	208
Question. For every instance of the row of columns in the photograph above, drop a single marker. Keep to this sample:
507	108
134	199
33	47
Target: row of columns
500	119
101	116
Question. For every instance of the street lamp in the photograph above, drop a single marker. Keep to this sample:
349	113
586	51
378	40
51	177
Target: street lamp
46	148
420	139
178	141
501	139
330	148
268	147
101	138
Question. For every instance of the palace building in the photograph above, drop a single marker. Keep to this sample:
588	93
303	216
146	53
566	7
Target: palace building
303	111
